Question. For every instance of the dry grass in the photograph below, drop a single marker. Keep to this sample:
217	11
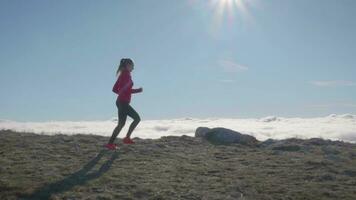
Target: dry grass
77	167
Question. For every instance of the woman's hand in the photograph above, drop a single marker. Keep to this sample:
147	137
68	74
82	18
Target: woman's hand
137	90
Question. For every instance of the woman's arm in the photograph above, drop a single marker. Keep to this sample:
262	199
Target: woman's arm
136	90
115	88
122	84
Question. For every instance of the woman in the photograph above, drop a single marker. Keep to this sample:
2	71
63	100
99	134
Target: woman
123	87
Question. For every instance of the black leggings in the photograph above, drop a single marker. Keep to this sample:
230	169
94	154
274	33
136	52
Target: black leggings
125	110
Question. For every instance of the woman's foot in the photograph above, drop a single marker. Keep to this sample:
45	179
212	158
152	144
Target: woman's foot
111	146
127	140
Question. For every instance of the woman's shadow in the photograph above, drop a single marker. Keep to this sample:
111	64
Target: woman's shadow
78	178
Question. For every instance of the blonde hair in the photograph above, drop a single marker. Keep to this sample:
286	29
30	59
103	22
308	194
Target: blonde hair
123	63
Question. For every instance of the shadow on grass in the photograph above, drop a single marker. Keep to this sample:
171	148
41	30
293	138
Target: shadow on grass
78	178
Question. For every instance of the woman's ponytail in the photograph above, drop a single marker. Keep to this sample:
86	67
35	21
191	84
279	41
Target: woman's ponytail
123	63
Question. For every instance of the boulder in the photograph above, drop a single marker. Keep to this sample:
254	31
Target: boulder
224	136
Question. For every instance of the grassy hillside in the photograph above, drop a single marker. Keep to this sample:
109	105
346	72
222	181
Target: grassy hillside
78	167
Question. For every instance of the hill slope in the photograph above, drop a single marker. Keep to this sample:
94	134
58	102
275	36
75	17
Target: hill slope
77	167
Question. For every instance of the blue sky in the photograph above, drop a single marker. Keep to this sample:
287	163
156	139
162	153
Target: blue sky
280	57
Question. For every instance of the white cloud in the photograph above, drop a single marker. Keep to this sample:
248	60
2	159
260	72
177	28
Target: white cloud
333	83
335	127
231	66
331	105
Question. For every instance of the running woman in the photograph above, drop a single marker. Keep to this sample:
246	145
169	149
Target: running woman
123	87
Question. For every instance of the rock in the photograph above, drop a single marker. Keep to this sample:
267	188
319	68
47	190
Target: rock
224	136
201	131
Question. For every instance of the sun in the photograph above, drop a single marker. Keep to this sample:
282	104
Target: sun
229	8
227	15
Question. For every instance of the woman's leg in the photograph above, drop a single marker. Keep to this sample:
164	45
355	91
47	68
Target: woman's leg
122	109
134	115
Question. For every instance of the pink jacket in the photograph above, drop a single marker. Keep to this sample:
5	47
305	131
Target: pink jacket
123	87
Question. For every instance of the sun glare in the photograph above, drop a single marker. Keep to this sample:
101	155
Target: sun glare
229	8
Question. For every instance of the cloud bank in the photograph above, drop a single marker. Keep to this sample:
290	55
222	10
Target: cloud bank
334	127
333	83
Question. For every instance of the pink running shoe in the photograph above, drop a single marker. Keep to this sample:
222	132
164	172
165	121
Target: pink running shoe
127	140
111	146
